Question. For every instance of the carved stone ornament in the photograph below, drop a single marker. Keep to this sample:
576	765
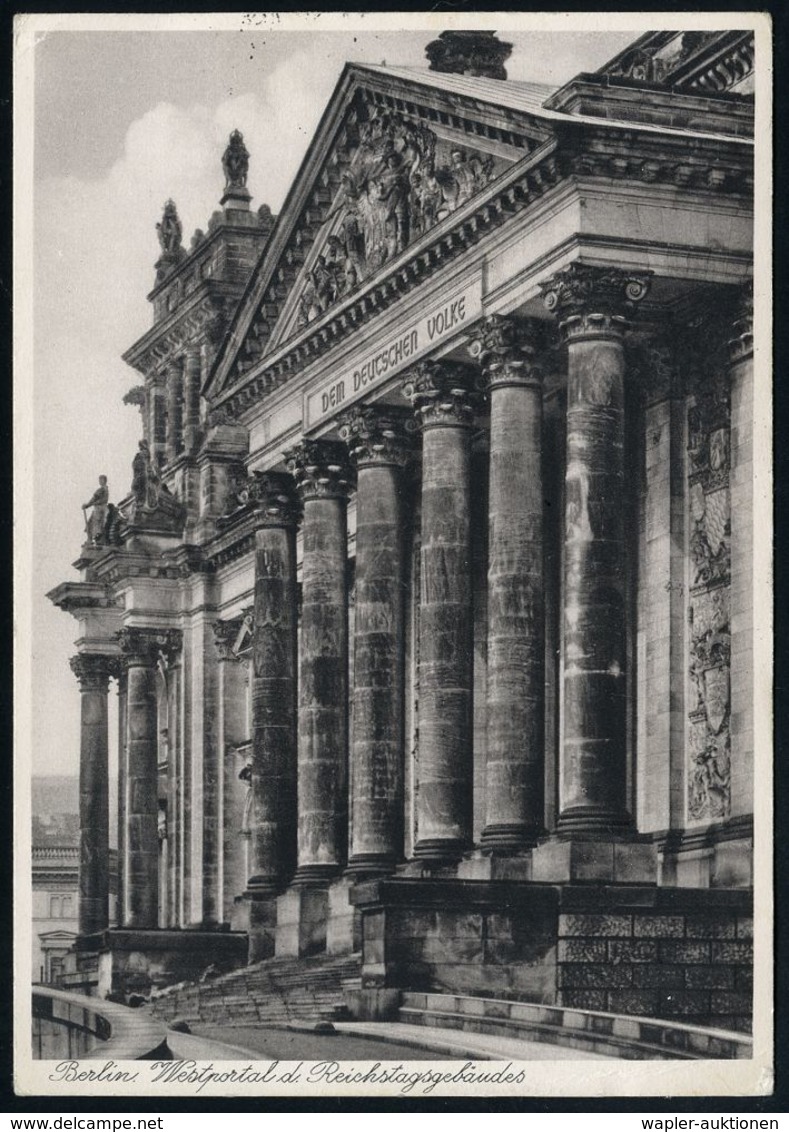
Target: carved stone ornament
442	392
320	469
145	646
235	162
270	496
396	189
581	290
226	635
506	348
378	435
93	670
170	235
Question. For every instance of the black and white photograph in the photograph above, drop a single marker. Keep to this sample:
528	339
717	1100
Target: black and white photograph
393	573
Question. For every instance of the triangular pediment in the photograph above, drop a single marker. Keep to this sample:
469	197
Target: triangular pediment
394	159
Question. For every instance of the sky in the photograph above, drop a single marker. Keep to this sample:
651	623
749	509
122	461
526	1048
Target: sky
124	119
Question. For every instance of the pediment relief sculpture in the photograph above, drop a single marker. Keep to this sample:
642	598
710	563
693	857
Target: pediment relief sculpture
403	181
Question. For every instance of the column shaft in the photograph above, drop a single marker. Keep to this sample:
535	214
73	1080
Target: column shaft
514	770
377	445
273	783
320	469
158	441
174	442
141	867
440	391
192	371
93	672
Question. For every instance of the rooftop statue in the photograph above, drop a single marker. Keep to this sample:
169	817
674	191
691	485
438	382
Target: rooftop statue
169	230
235	162
96	522
145	478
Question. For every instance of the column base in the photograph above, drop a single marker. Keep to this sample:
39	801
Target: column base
439	849
624	860
315	874
585	820
371	864
510	837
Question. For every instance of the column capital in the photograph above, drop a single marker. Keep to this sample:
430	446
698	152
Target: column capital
378	435
320	469
272	496
594	301
740	344
506	348
442	393
225	636
93	670
144	646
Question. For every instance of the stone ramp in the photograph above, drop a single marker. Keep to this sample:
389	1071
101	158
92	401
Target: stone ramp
609	1035
275	992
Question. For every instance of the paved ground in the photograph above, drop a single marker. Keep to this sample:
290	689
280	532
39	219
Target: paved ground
362	1041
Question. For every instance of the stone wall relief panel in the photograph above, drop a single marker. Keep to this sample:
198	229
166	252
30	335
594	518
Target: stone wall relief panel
708	785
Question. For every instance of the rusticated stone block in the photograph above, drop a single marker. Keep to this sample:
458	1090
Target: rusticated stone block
743	979
594	975
667	977
594	925
734	952
718	977
706	926
659	927
584	999
632	1002
730	1002
676	952
632	951
744	927
582	951
672	1002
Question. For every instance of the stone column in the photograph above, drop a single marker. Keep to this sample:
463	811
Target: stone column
174	440
379	447
514	766
233	732
322	476
158	426
741	480
593	305
141	649
93	672
272	820
192	371
442	395
121	789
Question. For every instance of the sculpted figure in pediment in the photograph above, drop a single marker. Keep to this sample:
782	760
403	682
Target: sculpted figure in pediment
395	191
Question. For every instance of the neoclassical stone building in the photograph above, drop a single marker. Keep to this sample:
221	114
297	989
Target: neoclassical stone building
430	608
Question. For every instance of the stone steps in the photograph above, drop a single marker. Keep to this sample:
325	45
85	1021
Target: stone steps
275	991
621	1036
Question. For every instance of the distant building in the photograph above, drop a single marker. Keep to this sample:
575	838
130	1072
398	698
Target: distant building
55	828
55	809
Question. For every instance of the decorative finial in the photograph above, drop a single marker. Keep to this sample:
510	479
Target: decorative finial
475	53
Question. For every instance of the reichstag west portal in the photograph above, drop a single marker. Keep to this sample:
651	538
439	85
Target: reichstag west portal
430	606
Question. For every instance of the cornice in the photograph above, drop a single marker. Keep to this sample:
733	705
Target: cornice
193	322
